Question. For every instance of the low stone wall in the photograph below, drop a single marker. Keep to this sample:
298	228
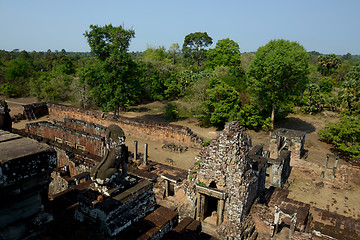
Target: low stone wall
93	144
151	130
85	126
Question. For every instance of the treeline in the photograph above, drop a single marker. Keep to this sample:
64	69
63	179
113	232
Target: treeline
46	75
215	82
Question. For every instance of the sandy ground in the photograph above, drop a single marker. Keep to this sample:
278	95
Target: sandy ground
341	195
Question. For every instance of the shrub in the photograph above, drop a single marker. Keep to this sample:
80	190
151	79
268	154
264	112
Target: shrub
206	143
172	111
345	135
326	85
7	89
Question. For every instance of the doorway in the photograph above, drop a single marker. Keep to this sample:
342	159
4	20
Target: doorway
211	205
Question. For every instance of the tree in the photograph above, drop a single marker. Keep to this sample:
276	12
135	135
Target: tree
329	63
223	103
17	75
350	91
313	100
112	78
108	41
226	53
278	72
174	52
347	56
194	47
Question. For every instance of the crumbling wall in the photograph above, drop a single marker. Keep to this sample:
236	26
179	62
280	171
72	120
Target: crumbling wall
164	132
73	162
287	139
224	166
259	165
35	110
93	144
279	169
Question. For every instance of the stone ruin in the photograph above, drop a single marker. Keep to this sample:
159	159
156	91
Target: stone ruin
278	169
287	139
218	191
222	185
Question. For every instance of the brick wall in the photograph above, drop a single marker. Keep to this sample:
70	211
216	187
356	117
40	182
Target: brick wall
93	144
85	126
156	131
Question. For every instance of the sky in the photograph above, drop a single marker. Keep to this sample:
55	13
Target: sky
324	26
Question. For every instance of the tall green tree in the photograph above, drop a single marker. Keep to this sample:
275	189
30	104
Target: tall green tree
195	45
328	63
278	72
109	41
349	93
112	78
226	53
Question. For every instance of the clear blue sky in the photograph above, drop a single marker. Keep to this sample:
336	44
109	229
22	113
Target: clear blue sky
325	26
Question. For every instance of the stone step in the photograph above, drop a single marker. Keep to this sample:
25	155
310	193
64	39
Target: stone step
209	228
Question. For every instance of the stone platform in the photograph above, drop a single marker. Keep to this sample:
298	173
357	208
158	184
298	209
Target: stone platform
25	168
114	214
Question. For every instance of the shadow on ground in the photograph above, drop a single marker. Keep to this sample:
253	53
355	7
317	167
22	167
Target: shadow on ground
295	124
158	117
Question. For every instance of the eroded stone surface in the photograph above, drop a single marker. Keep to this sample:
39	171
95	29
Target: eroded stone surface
223	166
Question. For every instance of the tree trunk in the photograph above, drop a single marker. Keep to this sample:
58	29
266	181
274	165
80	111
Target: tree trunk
272	117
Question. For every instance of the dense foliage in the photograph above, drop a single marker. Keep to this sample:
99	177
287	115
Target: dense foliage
278	73
112	77
345	135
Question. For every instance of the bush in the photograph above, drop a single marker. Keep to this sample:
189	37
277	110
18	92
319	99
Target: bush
345	135
172	111
7	89
326	85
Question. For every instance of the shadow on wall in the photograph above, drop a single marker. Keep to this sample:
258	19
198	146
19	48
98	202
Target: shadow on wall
295	124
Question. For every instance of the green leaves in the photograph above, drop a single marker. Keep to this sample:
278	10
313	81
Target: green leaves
194	47
345	135
227	54
278	72
107	40
112	79
223	103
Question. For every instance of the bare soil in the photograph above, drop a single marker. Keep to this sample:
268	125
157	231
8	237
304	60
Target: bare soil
341	195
